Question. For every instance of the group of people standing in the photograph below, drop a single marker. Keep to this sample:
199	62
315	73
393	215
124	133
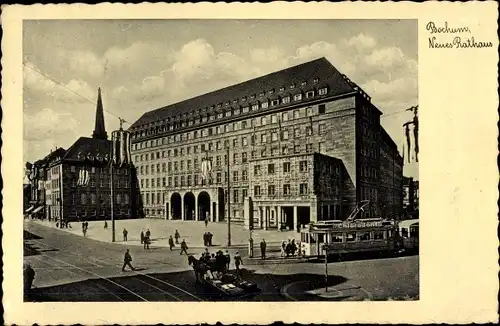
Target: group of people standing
207	239
146	238
289	248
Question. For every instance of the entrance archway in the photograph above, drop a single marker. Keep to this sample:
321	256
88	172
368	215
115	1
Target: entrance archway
176	206
203	206
189	206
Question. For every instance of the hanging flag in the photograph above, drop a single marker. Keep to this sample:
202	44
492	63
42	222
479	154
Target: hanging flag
79	182
122	147
408	140
206	168
415	135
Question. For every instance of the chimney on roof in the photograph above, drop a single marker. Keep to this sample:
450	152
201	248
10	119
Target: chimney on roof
100	129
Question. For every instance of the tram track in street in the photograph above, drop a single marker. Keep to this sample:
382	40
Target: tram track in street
136	284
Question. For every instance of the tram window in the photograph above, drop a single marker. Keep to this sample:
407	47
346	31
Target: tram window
404	232
350	236
378	235
414	231
364	236
336	237
307	238
313	238
321	238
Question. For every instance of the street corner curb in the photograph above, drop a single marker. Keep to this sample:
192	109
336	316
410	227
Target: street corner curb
284	290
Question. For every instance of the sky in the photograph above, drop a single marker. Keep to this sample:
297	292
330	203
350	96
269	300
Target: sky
142	65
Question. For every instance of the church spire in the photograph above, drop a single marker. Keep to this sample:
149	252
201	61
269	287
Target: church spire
100	129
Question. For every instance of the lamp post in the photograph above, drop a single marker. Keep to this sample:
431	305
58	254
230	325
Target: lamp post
228	201
112	202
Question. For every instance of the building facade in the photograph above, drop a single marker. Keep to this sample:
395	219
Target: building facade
75	184
410	197
391	177
264	138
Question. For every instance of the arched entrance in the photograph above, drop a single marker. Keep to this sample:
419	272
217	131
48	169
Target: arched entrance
176	206
203	206
189	206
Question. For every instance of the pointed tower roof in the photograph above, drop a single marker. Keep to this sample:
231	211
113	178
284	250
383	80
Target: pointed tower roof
100	129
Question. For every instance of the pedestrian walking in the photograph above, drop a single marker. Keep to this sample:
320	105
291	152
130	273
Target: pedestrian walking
127	259
105	225
237	262
148	234
142	236
228	259
184	247
205	239
171	243
28	278
177	236
125	234
263	246
283	248
147	242
206	221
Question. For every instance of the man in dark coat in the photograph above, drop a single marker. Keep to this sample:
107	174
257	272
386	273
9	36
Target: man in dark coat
209	238
184	247
171	243
125	234
126	261
177	236
28	277
142	236
263	246
205	239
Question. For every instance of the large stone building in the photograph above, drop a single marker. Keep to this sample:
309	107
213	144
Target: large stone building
304	143
75	183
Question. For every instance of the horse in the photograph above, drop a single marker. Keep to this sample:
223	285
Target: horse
199	267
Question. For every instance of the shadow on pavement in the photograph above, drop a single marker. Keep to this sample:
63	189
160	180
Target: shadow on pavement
153	287
30	249
360	256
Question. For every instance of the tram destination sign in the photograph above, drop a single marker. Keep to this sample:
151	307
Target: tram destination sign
350	225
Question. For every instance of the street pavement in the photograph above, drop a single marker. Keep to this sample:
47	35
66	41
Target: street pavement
191	231
70	267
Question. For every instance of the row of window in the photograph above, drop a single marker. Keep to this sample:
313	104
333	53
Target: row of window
202	115
287	190
194	180
92	199
93	212
234	126
118	183
238	158
102	171
260	138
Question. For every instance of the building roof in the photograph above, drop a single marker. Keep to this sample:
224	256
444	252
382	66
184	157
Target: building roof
51	156
100	129
321	69
387	138
85	147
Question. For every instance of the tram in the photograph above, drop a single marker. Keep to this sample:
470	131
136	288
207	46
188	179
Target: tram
353	236
409	230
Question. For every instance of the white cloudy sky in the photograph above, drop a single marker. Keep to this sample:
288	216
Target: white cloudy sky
142	65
